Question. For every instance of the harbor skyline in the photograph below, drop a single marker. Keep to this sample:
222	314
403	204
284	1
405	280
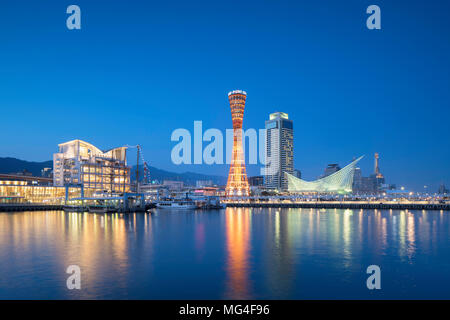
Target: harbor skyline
414	186
353	95
224	159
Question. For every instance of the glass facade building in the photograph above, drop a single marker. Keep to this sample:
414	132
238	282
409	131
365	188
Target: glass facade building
81	163
14	191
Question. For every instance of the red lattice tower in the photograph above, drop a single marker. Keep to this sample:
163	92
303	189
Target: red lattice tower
237	184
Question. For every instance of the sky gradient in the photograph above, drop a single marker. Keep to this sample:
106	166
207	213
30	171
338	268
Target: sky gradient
137	70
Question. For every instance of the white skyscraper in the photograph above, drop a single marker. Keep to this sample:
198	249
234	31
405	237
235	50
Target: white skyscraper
279	151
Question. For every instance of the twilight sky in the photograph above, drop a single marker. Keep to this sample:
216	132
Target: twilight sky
137	70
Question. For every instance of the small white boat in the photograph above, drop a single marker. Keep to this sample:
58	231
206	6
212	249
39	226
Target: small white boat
176	204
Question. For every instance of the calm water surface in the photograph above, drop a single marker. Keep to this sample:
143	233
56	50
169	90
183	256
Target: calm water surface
226	254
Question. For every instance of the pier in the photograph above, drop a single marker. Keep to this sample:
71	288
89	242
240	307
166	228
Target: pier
342	205
21	207
17	207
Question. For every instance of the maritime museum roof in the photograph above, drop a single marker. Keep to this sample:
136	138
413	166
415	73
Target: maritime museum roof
339	182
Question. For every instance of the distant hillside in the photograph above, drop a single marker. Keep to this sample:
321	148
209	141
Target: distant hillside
187	177
13	165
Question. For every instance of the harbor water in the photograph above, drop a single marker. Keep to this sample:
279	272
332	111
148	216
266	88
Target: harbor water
233	253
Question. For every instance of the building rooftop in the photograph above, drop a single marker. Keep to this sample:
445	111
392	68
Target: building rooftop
278	115
237	92
90	145
14	177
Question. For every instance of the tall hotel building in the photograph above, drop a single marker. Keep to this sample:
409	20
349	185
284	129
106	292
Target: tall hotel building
279	151
81	163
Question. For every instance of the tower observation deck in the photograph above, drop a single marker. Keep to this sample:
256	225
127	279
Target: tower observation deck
237	184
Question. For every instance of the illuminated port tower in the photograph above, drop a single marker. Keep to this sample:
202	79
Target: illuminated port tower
237	184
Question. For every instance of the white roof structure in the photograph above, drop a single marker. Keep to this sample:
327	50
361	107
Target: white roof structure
237	92
339	182
82	148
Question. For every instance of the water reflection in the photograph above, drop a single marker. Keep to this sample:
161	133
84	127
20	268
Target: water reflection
43	243
332	242
237	226
237	253
279	253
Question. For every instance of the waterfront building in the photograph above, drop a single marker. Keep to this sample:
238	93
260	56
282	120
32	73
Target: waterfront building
237	184
24	173
173	185
373	184
29	189
81	163
368	185
36	194
378	176
205	191
256	181
297	173
357	179
24	180
47	173
330	169
338	182
443	189
279	153
153	192
203	183
377	168
363	185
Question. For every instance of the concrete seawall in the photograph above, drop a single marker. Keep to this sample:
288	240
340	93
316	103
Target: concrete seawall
43	207
314	205
347	205
29	207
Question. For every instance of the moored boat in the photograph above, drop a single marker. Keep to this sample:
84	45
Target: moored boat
101	209
185	204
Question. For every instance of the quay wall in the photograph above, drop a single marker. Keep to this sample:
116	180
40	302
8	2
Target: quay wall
45	207
29	207
345	205
314	205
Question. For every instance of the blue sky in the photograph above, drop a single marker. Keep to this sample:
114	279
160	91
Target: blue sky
138	70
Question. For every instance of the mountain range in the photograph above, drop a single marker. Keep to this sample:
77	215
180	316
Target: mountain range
13	165
188	178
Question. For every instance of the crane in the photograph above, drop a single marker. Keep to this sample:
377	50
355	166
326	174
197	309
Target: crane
140	156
